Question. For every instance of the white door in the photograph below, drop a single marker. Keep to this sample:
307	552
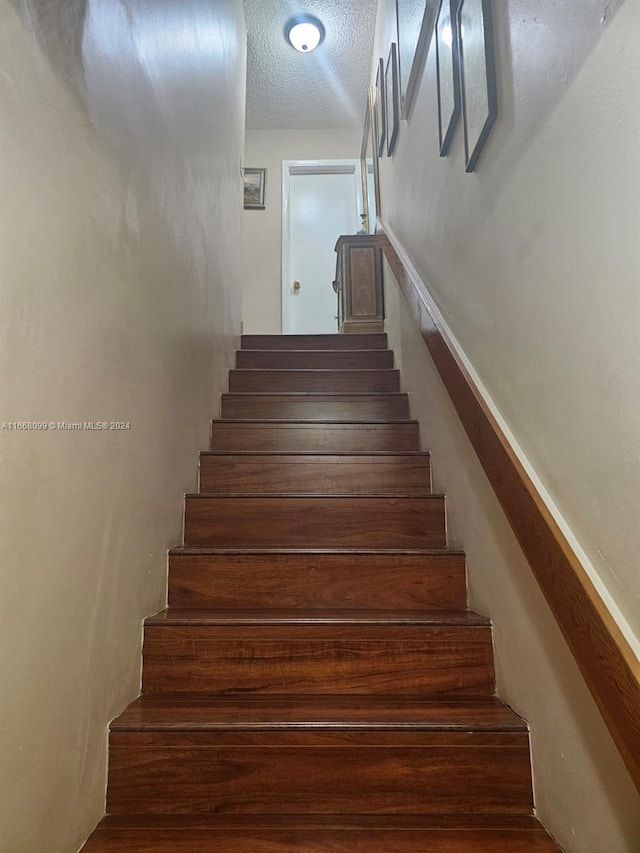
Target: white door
321	201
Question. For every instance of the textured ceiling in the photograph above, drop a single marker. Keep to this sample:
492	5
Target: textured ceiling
326	88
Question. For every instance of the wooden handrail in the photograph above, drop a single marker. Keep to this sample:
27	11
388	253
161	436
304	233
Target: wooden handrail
607	662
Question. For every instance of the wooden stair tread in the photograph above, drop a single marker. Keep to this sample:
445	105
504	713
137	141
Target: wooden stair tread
334	821
321	834
202	712
432	618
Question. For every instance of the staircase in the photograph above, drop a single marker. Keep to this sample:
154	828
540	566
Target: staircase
317	683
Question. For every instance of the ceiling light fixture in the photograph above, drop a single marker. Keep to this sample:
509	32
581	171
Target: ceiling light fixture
304	32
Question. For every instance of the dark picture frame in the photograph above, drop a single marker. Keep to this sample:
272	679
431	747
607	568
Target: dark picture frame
478	84
255	181
448	73
380	110
415	20
392	98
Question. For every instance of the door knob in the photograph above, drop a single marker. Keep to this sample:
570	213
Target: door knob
296	286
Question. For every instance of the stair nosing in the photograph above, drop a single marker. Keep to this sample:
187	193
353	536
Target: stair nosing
307	616
414	552
315	351
323	495
357	453
315	369
343	718
312	421
315	393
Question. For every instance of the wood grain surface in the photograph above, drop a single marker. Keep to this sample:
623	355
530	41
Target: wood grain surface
320	659
314	380
407	779
343	474
327	580
314	359
321	834
289	436
320	407
309	521
315	342
317	683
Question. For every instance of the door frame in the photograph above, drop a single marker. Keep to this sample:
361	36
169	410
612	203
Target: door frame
346	166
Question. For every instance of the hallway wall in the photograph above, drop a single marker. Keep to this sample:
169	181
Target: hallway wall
120	298
533	260
262	229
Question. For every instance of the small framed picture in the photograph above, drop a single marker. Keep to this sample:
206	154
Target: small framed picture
477	76
392	98
448	72
254	188
381	113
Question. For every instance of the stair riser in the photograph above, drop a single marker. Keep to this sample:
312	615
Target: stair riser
309	360
229	522
303	659
331	381
356	581
319	407
315	475
315	438
412	779
314	342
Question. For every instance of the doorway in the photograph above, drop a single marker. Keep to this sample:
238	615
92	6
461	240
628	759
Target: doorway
321	199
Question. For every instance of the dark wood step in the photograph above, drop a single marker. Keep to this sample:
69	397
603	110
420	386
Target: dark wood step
335	437
320	834
308	521
326	580
307	473
351	618
197	712
374	359
319	407
318	652
379	772
314	380
325	342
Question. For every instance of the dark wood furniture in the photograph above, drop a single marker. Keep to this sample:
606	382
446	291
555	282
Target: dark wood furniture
359	284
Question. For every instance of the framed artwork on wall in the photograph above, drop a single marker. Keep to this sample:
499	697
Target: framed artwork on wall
254	188
477	76
380	110
415	21
369	166
448	73
392	98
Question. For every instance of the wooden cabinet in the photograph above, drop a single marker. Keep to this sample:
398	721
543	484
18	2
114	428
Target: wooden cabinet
358	284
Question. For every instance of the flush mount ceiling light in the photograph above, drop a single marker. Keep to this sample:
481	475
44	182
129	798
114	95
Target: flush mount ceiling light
304	32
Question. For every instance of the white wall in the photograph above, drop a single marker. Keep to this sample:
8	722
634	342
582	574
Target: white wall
534	262
262	229
120	295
